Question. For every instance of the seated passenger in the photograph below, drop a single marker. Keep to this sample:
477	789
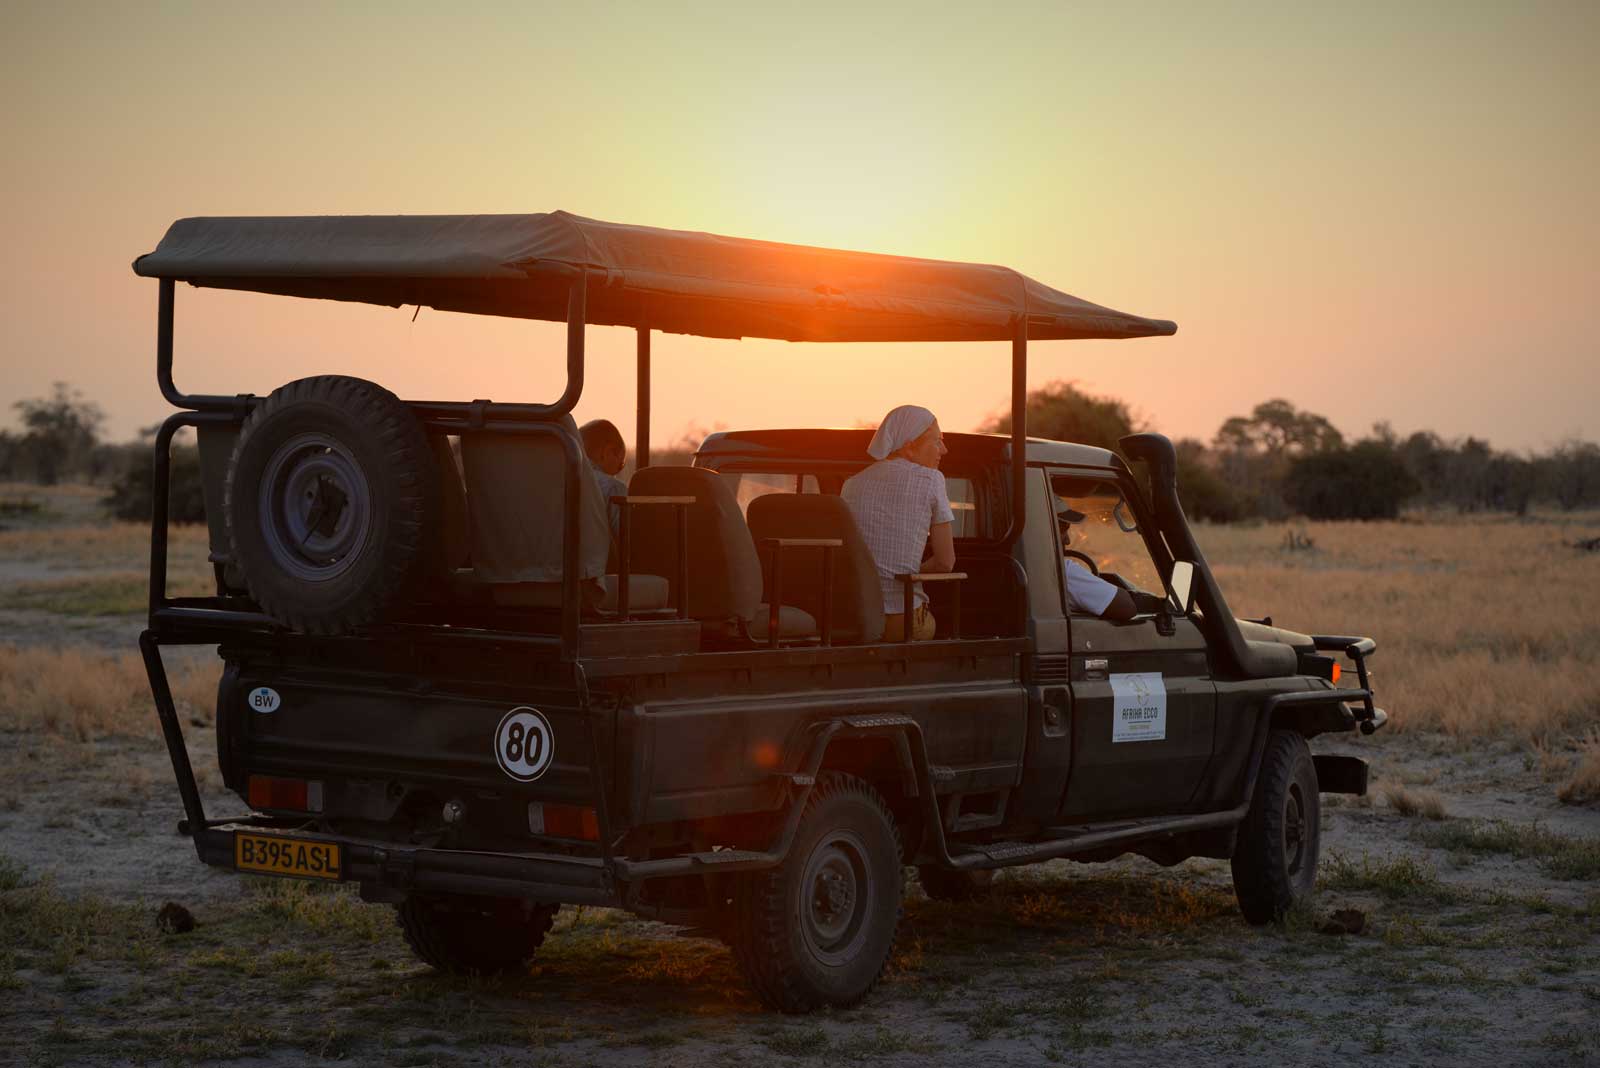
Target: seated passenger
607	452
903	509
1090	594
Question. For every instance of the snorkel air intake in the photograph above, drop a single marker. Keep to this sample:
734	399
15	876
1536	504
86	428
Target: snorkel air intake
1156	451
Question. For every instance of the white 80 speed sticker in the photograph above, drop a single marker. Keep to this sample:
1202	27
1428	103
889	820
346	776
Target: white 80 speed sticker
524	744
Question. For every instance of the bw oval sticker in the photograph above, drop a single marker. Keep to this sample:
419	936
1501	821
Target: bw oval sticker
524	744
264	699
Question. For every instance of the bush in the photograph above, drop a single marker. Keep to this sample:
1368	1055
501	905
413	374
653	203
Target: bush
131	492
1366	481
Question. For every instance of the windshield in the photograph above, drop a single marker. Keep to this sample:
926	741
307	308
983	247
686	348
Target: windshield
1108	533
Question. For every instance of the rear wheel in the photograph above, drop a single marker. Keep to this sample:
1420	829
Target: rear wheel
819	929
474	934
1275	856
946	884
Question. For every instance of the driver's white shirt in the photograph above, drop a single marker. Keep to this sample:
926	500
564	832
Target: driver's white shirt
1086	591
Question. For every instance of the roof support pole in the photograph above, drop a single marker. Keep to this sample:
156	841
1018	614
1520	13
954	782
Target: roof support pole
202	402
577	311
1019	428
641	440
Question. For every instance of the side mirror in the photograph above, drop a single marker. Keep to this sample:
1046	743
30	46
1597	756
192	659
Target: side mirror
1182	584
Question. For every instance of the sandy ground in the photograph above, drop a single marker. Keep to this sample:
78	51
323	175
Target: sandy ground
1475	948
1488	960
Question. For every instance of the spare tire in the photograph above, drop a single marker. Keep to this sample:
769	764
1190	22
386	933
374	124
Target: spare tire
330	499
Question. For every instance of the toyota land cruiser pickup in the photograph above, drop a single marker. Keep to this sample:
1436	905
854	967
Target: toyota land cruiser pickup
447	681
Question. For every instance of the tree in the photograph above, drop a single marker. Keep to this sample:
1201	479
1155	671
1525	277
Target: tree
1572	474
1062	412
61	432
1253	452
1275	427
1202	491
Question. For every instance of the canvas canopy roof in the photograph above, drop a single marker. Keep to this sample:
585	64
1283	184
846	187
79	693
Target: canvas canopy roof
672	280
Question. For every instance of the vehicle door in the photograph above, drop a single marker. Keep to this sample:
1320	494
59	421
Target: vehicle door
1143	699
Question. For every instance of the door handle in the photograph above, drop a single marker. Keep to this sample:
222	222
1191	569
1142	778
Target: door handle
1095	667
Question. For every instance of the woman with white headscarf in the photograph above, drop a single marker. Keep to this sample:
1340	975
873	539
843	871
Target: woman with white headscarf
903	509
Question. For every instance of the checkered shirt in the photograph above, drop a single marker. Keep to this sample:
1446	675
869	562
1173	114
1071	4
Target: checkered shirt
895	502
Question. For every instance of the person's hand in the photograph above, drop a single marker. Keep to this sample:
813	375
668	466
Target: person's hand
1149	602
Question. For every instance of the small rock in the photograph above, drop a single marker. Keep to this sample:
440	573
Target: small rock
173	918
1345	921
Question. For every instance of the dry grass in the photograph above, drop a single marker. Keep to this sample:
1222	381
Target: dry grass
107	593
1484	626
1424	803
108	547
1584	785
78	694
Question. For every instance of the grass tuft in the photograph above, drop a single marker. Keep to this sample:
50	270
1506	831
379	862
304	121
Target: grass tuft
1584	784
1399	879
1424	803
1559	856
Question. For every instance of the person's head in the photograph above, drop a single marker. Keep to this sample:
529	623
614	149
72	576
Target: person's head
603	442
926	448
910	433
1065	517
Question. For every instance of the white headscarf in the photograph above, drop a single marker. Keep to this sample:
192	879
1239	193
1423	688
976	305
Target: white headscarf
899	428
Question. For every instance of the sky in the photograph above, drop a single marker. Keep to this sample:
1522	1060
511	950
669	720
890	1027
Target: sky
1378	211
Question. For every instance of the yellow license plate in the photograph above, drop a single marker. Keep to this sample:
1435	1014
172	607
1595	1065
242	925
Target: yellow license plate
277	855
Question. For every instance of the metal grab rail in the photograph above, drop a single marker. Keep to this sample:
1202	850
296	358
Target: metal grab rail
240	404
625	554
775	584
1357	649
909	583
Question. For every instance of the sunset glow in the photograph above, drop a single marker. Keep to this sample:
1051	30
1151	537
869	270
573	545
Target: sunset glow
1403	198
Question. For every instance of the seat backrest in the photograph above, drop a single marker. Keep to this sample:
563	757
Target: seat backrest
857	595
514	498
724	571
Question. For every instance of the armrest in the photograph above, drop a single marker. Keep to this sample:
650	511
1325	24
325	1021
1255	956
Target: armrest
803	543
631	499
909	584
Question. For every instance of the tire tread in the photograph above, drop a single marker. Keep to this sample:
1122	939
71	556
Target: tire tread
762	948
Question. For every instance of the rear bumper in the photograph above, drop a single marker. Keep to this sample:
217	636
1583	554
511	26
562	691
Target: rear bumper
406	869
386	870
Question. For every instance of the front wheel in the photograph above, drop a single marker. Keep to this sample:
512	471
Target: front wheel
819	929
1275	856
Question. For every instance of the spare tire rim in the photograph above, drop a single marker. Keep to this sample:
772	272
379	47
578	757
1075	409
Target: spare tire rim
315	507
838	895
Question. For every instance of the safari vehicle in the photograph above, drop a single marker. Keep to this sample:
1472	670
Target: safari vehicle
446	681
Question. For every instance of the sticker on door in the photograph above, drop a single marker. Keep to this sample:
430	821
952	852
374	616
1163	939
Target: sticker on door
1139	713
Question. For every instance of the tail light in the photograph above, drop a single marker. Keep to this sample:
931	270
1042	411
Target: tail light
563	821
296	795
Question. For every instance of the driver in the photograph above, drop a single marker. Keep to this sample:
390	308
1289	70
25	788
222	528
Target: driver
1087	592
